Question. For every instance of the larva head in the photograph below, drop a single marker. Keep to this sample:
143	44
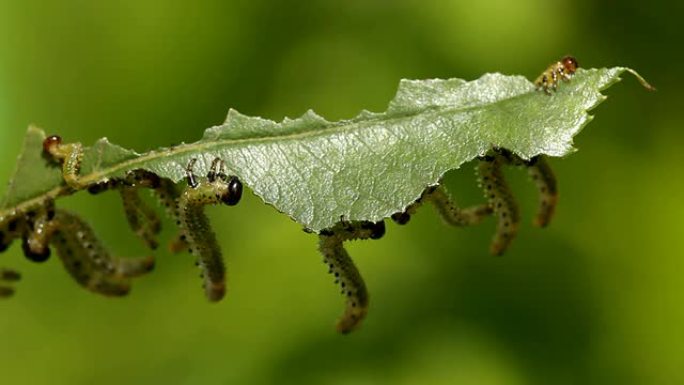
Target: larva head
51	142
233	192
569	64
35	256
377	229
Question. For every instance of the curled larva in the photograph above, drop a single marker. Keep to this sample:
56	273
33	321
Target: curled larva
83	255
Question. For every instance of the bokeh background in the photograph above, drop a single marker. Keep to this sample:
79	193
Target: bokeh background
594	299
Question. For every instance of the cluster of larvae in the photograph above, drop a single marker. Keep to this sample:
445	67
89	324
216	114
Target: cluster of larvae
43	227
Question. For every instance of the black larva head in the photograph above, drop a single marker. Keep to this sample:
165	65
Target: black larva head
377	229
401	218
33	256
233	191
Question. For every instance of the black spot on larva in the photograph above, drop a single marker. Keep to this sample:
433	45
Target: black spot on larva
349	293
353	304
327	233
12	225
343	284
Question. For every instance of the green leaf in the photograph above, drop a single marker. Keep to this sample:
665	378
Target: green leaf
365	168
34	176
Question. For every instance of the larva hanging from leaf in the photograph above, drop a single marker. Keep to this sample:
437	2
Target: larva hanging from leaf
196	229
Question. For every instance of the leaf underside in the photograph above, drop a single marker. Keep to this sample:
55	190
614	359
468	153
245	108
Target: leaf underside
365	168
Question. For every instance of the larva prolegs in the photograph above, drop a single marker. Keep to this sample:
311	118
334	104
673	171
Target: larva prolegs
201	241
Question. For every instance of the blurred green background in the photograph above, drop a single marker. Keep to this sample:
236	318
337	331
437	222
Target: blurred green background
594	299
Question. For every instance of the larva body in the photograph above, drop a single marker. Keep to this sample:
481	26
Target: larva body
560	70
195	227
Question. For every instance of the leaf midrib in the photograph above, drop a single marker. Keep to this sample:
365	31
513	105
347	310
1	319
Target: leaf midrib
335	127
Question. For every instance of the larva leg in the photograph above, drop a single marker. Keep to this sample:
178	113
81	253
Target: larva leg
7	276
541	173
6	291
342	267
70	155
201	240
500	199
